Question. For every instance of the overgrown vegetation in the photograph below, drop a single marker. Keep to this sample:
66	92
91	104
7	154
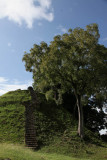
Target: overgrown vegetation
74	62
56	131
12	118
56	151
51	120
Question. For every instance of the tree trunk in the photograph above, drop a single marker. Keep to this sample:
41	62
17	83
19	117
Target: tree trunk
80	117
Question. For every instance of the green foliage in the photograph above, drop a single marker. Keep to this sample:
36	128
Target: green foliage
12	122
50	120
74	62
49	95
55	127
70	144
17	96
94	116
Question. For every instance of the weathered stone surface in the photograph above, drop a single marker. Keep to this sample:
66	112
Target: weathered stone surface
30	132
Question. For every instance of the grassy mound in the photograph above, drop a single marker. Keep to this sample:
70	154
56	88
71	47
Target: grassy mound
56	132
14	97
12	118
50	120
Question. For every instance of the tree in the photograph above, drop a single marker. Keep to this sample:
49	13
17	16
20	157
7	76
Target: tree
73	62
94	115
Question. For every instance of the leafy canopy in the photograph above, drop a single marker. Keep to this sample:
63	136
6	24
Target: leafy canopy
74	61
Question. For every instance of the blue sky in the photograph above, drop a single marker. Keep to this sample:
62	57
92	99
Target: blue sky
26	22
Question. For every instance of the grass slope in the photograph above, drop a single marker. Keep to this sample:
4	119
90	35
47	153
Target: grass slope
55	130
12	118
71	145
50	120
17	152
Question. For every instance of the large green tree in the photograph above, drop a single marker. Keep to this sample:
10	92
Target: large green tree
73	62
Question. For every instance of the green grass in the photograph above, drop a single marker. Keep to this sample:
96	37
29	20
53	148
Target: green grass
66	147
51	120
17	152
71	145
56	132
12	123
12	118
17	96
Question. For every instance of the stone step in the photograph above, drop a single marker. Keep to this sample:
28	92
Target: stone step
31	145
30	134
30	137
29	142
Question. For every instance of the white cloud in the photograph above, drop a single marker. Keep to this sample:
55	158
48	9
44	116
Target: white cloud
62	29
6	85
3	80
26	10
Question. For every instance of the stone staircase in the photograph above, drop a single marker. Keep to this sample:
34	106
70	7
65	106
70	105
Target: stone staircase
30	138
30	131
